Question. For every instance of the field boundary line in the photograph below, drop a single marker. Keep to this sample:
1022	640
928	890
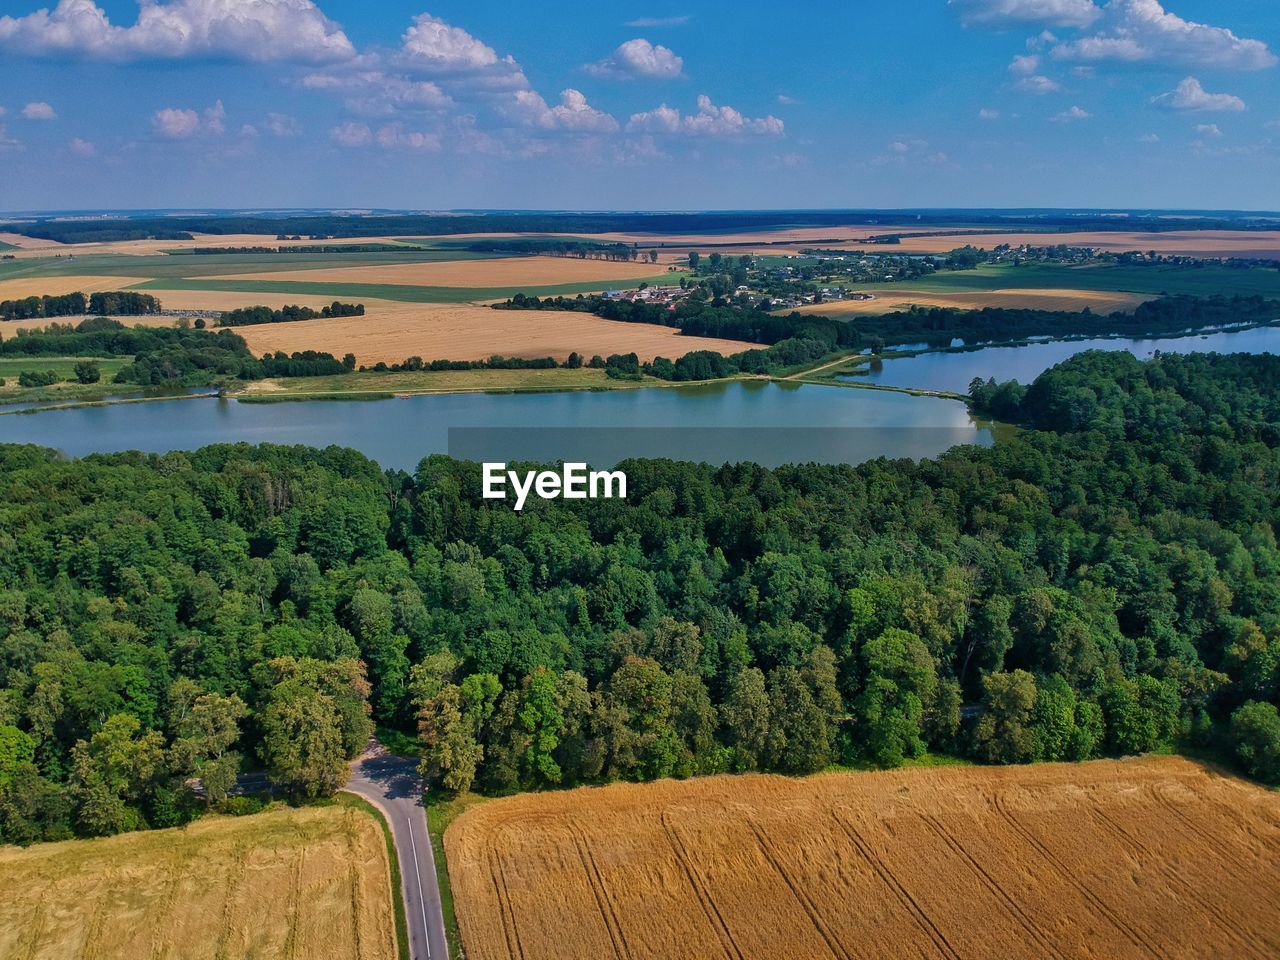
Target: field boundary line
1134	936
235	876
727	943
766	847
994	887
607	912
904	895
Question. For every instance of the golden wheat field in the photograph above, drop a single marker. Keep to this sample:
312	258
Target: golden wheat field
1152	857
1263	244
19	287
1099	301
391	332
307	883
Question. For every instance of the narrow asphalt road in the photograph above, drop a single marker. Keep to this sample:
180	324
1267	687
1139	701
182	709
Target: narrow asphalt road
392	785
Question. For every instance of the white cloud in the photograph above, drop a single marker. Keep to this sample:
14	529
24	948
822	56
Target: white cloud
436	45
1038	84
658	21
376	93
352	134
986	113
1071	115
1190	95
178	124
82	148
571	113
709	121
39	111
1142	31
787	101
393	136
1003	13
1024	66
7	142
1211	130
1149	138
239	29
283	125
639	58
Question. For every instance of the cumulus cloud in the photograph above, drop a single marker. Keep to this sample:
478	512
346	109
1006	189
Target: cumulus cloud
239	29
638	58
179	124
393	136
377	93
1211	130
572	113
39	111
1038	84
351	134
1071	115
82	148
1005	13
787	101
283	125
988	114
1024	66
709	121
1190	95
1142	31
434	44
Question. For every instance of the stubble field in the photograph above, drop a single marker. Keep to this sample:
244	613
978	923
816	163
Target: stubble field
1107	860
1099	301
391	332
310	883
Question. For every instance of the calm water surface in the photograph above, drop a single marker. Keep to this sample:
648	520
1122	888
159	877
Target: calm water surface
768	423
953	371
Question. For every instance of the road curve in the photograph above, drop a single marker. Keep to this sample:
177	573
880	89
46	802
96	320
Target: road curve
392	785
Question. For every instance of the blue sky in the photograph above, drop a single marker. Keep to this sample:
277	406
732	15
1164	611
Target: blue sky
666	105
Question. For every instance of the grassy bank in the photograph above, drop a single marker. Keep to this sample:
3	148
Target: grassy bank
64	368
382	385
442	810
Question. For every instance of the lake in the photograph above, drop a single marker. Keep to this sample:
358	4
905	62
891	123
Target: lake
764	422
952	372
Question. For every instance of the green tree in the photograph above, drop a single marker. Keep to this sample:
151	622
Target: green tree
204	736
1255	732
1004	732
87	371
302	741
744	716
900	679
113	774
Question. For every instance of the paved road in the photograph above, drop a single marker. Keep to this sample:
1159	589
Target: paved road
391	783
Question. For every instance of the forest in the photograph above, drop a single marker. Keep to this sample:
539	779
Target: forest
1105	582
114	303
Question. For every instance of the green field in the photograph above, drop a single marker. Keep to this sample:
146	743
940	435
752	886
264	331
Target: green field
395	291
1198	281
64	367
218	264
376	385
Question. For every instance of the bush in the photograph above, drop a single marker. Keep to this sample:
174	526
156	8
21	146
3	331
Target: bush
87	372
1255	733
37	378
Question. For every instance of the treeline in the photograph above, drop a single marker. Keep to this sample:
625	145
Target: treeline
550	247
940	325
1104	587
307	248
249	316
114	303
391	224
699	318
170	356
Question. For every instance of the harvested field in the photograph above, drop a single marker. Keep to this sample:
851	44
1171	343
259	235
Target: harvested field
1260	244
19	287
1152	857
1099	301
308	883
505	272
392	332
